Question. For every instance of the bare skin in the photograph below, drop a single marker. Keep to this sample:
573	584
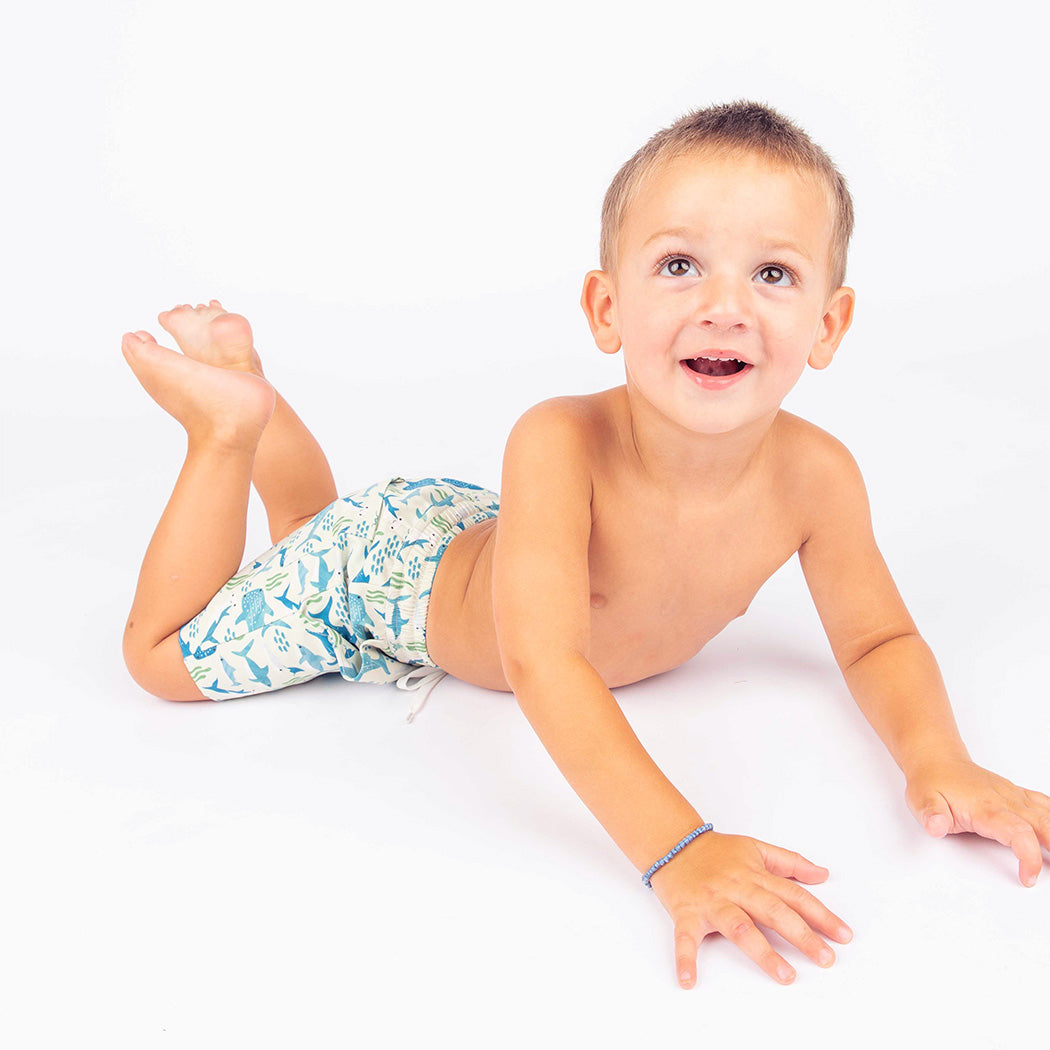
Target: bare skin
638	627
651	610
239	432
667	568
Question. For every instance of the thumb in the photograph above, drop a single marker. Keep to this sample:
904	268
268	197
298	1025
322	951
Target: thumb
935	816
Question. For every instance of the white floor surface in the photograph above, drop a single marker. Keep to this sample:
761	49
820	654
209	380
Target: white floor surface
405	212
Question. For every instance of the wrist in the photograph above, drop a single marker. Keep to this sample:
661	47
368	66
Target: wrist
663	861
919	758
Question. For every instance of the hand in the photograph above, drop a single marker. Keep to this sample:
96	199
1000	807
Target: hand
726	884
949	796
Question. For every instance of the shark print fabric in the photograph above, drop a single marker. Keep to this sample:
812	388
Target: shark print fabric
347	592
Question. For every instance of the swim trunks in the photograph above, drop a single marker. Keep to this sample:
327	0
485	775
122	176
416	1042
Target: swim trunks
348	592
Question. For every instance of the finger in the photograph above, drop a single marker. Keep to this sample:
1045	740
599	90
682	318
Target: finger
685	950
1016	833
1041	823
1038	812
814	911
790	865
737	926
774	913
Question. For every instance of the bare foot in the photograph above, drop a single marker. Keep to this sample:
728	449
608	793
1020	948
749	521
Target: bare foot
209	334
214	404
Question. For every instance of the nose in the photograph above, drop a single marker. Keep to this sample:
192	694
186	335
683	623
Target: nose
723	302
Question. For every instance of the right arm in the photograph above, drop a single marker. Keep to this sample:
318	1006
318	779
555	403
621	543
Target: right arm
541	605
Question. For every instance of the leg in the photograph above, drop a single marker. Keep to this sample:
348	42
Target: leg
199	541
291	473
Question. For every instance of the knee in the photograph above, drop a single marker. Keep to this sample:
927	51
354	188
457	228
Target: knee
159	669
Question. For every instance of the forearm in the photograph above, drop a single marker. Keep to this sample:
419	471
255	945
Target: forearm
586	734
899	689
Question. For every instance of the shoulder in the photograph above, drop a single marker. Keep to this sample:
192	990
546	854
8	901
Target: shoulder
548	448
810	456
818	473
574	423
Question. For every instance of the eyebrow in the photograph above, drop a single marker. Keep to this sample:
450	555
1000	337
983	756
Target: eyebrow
773	246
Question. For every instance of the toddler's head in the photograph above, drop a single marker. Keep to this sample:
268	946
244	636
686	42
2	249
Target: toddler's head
724	130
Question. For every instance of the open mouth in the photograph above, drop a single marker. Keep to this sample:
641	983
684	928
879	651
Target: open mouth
716	366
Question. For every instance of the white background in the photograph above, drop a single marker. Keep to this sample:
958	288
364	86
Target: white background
404	199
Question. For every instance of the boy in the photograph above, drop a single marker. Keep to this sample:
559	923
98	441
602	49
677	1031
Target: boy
723	255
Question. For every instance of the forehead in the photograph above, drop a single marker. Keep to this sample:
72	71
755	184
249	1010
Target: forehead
739	194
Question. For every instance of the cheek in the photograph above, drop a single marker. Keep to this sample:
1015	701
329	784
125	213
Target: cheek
791	336
646	329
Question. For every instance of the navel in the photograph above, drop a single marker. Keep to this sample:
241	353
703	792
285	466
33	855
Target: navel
597	601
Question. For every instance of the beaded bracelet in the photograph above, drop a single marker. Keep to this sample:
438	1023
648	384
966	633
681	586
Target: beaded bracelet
667	856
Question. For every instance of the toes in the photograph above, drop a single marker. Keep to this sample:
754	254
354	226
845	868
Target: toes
132	344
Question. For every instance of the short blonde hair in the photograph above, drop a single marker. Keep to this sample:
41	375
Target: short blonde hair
734	127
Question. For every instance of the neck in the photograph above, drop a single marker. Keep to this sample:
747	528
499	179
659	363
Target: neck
688	466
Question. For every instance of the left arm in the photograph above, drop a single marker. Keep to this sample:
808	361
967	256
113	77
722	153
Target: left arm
894	678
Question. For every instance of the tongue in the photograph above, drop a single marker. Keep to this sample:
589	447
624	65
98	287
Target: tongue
707	367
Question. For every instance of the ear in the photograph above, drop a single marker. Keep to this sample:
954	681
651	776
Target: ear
838	315
597	301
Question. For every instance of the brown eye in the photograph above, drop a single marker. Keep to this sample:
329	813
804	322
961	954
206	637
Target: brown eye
677	267
774	275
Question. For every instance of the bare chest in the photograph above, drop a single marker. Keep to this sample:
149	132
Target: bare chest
664	583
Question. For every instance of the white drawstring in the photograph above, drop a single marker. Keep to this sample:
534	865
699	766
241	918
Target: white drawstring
422	676
418	678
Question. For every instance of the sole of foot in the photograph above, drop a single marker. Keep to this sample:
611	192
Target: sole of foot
209	334
218	405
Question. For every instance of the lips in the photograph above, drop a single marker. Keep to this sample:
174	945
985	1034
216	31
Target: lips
716	366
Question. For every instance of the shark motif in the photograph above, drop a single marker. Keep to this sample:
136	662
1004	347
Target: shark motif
424	513
199	653
285	600
312	534
309	628
214	688
210	636
253	605
312	659
229	671
325	616
259	674
397	621
323	639
324	574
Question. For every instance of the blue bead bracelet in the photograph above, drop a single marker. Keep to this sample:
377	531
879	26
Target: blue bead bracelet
667	856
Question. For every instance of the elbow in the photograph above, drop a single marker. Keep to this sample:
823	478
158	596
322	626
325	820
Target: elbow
538	667
856	654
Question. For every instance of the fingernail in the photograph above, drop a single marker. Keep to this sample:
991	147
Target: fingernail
785	973
825	957
845	933
1030	881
